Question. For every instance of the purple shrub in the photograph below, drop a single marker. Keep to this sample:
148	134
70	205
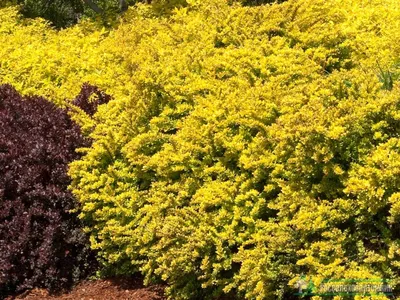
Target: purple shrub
41	240
83	99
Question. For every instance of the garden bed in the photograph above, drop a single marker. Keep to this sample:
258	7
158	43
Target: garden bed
101	289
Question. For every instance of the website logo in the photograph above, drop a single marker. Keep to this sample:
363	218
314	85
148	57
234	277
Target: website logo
343	287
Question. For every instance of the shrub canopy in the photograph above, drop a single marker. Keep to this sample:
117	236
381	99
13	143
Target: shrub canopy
245	145
42	243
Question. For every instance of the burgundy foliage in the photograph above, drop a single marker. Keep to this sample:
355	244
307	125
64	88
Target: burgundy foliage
41	241
83	99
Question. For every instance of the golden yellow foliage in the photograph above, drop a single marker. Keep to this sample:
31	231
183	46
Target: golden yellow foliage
244	145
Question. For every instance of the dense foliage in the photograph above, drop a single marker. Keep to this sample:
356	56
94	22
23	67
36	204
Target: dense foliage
245	145
60	13
64	13
41	239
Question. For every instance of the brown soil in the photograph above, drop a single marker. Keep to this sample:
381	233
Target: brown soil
121	289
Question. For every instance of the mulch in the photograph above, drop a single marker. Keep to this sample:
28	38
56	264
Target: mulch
121	289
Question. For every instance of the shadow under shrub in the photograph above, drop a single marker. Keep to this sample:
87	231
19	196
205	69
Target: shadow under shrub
41	239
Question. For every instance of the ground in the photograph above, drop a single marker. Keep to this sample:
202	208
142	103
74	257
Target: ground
121	289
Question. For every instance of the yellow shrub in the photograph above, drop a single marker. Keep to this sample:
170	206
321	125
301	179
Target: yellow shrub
245	145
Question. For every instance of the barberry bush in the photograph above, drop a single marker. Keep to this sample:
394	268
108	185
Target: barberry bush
245	145
42	243
258	144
